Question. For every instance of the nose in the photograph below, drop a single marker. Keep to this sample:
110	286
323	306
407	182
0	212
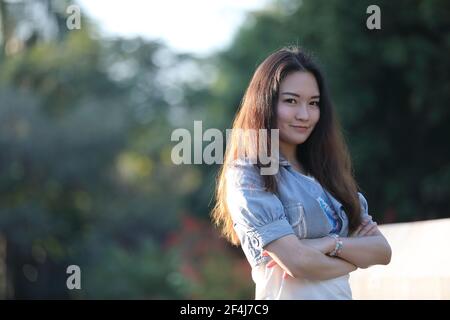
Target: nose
302	112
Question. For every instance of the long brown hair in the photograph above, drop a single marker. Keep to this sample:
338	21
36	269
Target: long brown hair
324	154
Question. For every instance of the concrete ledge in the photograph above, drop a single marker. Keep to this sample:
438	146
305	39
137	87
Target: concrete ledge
419	268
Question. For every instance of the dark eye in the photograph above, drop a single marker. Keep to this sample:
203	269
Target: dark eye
315	103
290	101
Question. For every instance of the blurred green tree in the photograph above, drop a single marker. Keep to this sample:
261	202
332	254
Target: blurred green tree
85	123
86	173
389	87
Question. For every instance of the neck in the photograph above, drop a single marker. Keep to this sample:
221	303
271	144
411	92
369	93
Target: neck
288	151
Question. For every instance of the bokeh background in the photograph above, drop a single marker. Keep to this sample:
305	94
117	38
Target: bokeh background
86	117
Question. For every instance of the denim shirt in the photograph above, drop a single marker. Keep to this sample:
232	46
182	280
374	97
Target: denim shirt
260	217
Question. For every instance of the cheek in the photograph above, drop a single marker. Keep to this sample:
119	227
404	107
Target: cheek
284	115
284	118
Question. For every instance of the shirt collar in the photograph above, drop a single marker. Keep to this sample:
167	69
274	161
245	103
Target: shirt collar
283	161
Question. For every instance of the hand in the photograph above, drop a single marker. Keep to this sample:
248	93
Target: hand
368	227
272	263
324	245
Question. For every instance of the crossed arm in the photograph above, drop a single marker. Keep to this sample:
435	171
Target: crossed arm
308	258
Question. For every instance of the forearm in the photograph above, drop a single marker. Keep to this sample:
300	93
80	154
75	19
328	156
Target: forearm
306	262
365	251
317	266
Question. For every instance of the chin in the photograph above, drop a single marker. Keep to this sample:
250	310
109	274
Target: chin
296	141
299	139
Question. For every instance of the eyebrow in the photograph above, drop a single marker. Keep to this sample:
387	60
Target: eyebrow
297	95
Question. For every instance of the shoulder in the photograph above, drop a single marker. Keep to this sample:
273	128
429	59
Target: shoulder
364	206
243	173
362	200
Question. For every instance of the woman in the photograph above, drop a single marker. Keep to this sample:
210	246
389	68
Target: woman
305	228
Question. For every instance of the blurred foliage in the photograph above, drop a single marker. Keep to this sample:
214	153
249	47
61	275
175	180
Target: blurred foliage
85	123
390	88
86	173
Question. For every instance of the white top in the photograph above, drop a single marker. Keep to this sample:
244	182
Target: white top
271	285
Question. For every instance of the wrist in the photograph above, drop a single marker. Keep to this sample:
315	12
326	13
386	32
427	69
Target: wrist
330	244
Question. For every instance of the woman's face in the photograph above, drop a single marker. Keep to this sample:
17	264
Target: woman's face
297	107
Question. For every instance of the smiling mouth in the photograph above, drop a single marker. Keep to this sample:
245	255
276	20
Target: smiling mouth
300	127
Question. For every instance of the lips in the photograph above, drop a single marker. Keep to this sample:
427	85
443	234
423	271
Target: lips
300	127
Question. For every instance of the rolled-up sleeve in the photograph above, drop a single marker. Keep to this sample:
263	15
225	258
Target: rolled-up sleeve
258	215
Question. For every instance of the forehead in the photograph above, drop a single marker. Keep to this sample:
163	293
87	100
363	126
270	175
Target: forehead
300	82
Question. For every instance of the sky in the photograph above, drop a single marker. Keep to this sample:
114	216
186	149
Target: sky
194	26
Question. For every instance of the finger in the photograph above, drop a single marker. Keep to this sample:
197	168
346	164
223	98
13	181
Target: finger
271	264
356	232
373	231
285	275
365	222
364	229
265	253
367	228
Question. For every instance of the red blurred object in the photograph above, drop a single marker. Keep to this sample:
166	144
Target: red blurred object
207	259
